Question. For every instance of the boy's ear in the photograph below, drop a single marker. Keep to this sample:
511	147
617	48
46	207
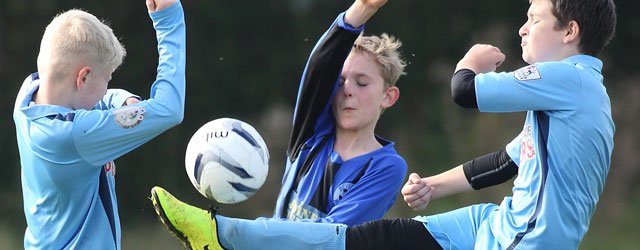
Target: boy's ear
81	78
572	32
391	95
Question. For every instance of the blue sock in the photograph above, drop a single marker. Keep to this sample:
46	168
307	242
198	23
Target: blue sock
279	234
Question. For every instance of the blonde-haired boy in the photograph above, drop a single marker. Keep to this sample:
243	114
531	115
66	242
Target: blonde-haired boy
70	127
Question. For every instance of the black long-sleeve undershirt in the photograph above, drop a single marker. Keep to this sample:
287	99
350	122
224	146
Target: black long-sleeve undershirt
463	88
489	170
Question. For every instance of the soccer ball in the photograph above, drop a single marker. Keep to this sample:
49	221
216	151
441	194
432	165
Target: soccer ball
227	160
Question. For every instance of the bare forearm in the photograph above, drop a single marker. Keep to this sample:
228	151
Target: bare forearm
359	13
449	182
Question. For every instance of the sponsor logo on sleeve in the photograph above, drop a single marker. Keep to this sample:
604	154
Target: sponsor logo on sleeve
527	73
128	117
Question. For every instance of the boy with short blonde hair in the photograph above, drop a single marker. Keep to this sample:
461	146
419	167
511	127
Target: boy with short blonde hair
70	127
77	36
385	49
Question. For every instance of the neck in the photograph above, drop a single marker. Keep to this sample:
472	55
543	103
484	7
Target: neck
350	144
52	93
569	52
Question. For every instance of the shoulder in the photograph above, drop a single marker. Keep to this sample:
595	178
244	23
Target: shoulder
389	162
545	71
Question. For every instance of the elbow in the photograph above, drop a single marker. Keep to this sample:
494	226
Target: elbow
169	116
457	96
465	99
463	89
176	118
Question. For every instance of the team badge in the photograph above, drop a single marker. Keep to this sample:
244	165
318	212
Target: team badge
527	73
129	117
341	191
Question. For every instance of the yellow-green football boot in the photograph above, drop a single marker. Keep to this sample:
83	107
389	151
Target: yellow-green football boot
194	226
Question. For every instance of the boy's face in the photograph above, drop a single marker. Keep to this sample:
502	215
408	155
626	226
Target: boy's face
95	87
540	41
361	95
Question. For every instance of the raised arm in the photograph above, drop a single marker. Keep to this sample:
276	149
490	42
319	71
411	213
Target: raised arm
103	135
361	10
157	5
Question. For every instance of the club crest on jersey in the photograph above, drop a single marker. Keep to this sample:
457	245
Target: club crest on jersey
527	148
341	191
128	117
527	73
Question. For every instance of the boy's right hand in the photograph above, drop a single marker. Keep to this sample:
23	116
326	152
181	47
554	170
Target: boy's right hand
481	58
157	5
361	10
417	192
373	3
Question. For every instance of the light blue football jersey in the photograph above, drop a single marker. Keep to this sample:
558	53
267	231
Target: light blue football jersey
563	155
68	173
563	152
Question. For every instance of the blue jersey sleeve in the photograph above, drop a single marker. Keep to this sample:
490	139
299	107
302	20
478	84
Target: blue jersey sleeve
104	135
373	195
321	75
542	86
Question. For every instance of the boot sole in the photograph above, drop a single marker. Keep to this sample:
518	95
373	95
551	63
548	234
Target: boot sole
163	218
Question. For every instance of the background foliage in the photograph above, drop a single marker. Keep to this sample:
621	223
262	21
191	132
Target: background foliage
245	60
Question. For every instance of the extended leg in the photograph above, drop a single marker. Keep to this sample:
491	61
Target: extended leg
390	234
200	229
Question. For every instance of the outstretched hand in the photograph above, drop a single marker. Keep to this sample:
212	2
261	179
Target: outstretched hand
481	58
157	5
417	192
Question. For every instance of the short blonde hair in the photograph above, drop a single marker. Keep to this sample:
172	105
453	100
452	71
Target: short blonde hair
385	48
77	37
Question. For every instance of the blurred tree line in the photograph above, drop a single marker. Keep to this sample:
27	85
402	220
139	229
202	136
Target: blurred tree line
244	61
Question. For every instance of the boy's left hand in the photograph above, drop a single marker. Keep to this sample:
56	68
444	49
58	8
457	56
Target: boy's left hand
481	58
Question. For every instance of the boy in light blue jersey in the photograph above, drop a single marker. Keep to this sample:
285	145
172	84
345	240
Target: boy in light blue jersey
561	157
70	127
563	153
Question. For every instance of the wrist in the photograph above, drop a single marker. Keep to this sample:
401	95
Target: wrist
466	64
359	13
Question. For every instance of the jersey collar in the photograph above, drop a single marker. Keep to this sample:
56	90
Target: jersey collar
35	111
590	61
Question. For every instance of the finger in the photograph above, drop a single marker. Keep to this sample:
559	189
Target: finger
416	194
409	188
132	100
151	5
414	178
423	202
500	58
